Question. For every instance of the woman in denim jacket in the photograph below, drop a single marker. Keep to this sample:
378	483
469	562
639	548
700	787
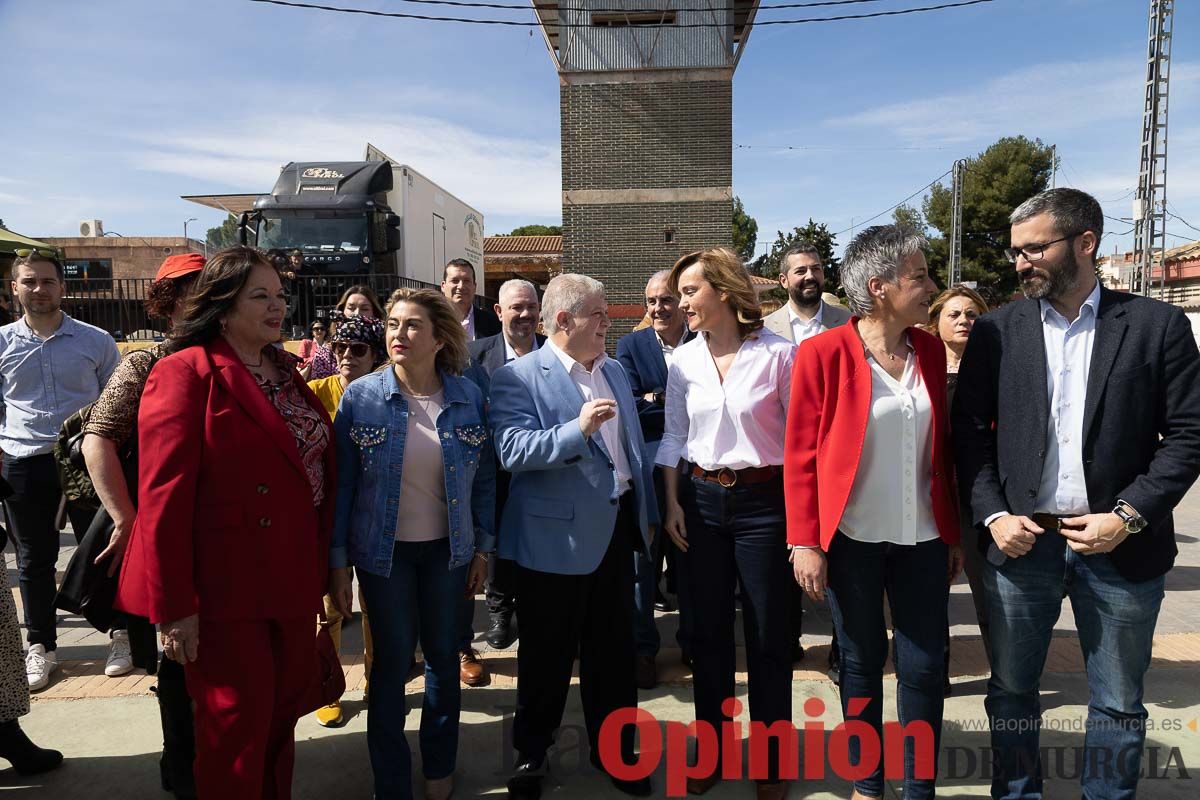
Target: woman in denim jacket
416	493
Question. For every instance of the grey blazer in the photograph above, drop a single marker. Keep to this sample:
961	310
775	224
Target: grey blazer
780	321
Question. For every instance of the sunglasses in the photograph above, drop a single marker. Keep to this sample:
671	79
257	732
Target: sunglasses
44	252
357	349
319	329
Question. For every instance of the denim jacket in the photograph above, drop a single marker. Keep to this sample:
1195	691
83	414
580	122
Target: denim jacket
371	426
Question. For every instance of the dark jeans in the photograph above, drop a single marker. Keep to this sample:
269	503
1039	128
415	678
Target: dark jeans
914	579
418	602
589	616
1115	619
739	534
32	509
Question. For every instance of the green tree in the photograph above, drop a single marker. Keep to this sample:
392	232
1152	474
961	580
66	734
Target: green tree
909	217
537	230
745	231
817	234
995	182
224	235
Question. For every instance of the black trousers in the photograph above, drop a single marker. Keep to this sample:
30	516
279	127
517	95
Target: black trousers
589	616
32	508
498	588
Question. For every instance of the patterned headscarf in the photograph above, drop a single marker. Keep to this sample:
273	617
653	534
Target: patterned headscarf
359	329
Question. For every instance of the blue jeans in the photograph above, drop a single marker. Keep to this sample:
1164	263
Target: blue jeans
1115	619
914	578
421	600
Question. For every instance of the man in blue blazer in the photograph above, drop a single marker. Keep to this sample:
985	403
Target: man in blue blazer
581	498
644	354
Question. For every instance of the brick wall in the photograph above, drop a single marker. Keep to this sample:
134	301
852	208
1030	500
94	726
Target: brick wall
630	136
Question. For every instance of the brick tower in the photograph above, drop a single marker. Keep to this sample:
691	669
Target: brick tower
647	134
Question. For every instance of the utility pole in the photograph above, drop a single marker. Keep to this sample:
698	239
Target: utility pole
954	273
1053	166
1150	206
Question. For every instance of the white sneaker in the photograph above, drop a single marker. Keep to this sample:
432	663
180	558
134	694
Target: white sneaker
38	666
120	660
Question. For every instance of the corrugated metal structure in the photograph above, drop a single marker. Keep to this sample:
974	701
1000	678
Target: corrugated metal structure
598	35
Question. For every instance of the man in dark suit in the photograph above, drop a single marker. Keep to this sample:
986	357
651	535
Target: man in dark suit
518	309
458	284
1077	431
644	354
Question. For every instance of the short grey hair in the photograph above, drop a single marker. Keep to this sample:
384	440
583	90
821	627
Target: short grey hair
1073	213
567	292
661	275
877	252
514	284
800	248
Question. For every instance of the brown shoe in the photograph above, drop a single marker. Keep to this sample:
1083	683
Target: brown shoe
772	791
702	785
646	672
470	668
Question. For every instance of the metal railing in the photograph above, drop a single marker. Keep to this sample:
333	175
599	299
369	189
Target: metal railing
116	304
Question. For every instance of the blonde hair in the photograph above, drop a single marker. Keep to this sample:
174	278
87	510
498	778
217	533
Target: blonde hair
724	270
935	308
447	327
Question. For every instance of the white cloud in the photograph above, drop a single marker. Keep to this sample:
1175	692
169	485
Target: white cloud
502	175
1049	98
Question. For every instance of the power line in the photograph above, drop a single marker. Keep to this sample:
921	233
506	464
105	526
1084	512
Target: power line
893	208
519	24
799	147
557	7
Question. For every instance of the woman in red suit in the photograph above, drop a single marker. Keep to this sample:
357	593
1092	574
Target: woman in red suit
229	547
871	506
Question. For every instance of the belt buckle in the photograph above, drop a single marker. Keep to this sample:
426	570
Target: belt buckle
725	473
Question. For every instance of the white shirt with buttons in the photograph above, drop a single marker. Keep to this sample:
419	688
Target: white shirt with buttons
806	328
890	500
1063	489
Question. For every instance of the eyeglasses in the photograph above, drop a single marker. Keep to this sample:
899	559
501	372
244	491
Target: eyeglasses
319	329
44	252
1034	252
357	349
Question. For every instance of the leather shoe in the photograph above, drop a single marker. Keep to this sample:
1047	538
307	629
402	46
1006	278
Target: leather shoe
772	791
662	602
702	785
526	782
639	788
646	672
470	668
502	632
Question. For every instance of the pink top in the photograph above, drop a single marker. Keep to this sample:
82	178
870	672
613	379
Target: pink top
423	516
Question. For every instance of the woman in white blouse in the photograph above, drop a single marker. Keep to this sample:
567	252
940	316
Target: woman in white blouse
871	507
722	460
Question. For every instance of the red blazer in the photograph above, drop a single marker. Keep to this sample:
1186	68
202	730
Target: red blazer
225	524
827	421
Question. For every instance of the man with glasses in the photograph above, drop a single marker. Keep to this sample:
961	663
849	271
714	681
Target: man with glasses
1077	431
50	367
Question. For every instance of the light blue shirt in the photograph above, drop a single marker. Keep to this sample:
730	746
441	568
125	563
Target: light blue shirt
1069	345
44	381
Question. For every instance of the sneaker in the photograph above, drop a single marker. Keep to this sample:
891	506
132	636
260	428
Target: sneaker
330	716
38	666
120	660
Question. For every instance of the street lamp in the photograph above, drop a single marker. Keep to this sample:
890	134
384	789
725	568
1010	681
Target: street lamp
185	224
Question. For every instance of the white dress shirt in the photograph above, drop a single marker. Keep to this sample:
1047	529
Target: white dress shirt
468	324
1063	490
509	353
594	386
735	424
806	328
668	351
890	500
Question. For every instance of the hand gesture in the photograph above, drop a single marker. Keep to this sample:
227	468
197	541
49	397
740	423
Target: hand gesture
1014	535
595	413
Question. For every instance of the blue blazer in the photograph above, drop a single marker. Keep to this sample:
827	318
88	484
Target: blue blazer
562	501
642	358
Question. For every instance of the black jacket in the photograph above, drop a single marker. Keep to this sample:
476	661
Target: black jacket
1141	420
641	355
486	323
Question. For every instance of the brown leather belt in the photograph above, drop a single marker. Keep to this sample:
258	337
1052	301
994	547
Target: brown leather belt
732	477
1047	522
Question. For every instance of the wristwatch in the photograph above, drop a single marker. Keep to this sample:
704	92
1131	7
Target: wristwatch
1134	522
660	398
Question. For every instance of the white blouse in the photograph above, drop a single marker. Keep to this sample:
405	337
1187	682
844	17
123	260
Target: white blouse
890	500
735	424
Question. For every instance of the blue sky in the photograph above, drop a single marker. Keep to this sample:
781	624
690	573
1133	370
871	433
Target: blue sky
124	105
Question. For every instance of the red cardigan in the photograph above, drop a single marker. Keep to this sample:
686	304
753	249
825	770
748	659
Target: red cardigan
828	412
225	524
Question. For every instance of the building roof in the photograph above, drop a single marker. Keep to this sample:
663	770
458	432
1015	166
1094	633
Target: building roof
1185	252
522	245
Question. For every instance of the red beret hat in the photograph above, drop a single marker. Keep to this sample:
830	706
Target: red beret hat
180	265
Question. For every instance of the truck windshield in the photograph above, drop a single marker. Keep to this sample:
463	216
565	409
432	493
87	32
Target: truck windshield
314	233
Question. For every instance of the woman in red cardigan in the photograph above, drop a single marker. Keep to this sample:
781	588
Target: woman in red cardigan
871	507
229	546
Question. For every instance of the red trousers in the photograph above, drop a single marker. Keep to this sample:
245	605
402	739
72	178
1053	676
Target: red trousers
247	685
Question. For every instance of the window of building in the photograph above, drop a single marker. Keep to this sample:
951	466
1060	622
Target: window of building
633	19
88	273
